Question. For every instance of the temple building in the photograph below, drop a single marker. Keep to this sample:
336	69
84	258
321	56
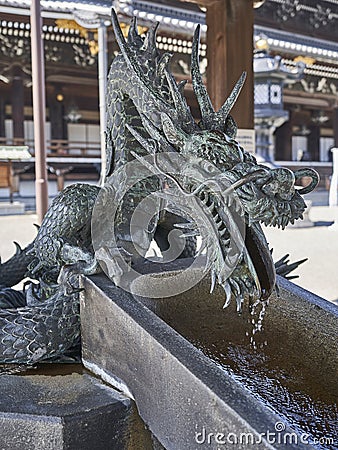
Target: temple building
299	38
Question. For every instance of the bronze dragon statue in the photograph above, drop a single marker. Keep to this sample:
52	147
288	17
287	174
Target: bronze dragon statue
209	185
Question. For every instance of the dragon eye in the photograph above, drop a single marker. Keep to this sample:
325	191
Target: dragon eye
210	168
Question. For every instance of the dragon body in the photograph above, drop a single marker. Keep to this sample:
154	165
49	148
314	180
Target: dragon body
208	183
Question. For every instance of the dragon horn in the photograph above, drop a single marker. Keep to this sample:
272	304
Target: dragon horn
224	111
120	39
18	249
202	96
133	36
181	107
149	43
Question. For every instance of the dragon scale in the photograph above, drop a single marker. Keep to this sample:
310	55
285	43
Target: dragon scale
208	183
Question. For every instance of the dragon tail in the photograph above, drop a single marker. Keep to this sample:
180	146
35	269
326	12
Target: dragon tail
14	270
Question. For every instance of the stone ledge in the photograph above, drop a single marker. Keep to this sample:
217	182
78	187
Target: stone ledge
73	411
7	208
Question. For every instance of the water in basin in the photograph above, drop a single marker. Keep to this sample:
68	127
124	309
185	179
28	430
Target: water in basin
288	360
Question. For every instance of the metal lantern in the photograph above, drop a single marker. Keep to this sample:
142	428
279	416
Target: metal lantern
270	75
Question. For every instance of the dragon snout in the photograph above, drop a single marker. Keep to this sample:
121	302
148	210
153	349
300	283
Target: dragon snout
281	183
271	196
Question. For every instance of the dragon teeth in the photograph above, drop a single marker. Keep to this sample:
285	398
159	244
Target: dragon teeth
222	233
190	234
227	291
184	225
284	222
213	281
205	198
239	301
219	222
235	288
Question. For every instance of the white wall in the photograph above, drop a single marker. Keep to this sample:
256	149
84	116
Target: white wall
325	144
298	143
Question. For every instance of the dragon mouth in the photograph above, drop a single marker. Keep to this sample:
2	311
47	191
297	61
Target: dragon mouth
241	262
234	205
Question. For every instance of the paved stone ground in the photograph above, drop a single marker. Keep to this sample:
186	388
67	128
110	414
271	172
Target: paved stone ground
318	243
16	228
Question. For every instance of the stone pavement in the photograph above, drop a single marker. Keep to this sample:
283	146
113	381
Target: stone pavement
16	228
318	243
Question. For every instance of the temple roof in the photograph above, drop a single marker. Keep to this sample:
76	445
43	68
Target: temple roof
57	6
293	28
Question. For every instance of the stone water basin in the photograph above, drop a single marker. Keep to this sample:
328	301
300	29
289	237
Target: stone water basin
284	353
206	377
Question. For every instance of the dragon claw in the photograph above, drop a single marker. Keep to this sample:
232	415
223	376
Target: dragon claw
115	262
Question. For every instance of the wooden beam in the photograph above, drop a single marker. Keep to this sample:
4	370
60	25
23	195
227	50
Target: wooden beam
205	3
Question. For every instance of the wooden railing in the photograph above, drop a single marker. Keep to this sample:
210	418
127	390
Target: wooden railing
60	147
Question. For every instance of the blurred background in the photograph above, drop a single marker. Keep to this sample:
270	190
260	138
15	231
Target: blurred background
287	113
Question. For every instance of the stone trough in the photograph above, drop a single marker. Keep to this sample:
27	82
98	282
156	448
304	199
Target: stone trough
204	377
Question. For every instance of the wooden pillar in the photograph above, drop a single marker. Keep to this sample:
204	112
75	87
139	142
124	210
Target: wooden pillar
60	180
56	116
17	96
2	117
39	110
217	78
229	53
313	142
283	143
